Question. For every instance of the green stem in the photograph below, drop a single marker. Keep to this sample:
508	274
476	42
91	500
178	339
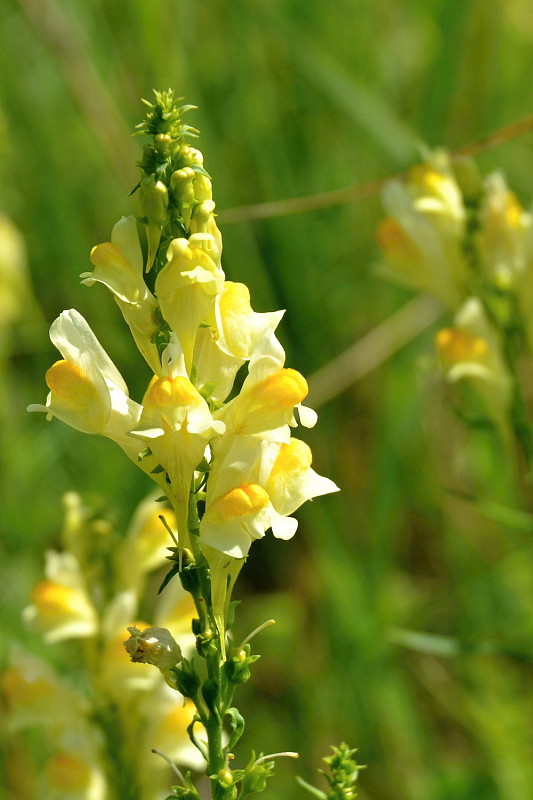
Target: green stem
211	702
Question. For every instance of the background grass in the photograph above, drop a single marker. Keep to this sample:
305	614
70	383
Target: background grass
295	98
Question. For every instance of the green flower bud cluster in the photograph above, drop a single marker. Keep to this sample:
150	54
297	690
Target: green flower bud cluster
174	187
342	773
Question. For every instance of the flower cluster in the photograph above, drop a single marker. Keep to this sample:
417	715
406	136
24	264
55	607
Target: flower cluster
89	724
469	242
192	431
217	443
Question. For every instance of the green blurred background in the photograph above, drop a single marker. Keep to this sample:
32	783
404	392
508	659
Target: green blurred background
295	98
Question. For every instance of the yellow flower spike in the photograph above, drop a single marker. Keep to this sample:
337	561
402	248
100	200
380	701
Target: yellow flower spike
177	424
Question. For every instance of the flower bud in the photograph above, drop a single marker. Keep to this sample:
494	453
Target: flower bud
154	202
181	184
162	142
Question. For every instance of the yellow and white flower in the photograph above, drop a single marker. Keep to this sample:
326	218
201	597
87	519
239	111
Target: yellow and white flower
270	394
75	770
292	481
147	540
470	351
423	232
177	424
35	695
167	716
234	333
186	287
119	266
73	775
86	389
61	607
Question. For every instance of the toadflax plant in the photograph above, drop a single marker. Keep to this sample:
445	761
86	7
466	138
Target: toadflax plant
224	459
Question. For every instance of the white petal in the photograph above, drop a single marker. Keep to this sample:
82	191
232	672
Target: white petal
72	336
283	527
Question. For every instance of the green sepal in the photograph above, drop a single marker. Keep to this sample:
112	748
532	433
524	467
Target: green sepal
196	625
194	739
190	580
210	693
206	644
185	792
203	466
186	678
230	615
199	168
237	667
168	577
255	777
236	729
207	390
